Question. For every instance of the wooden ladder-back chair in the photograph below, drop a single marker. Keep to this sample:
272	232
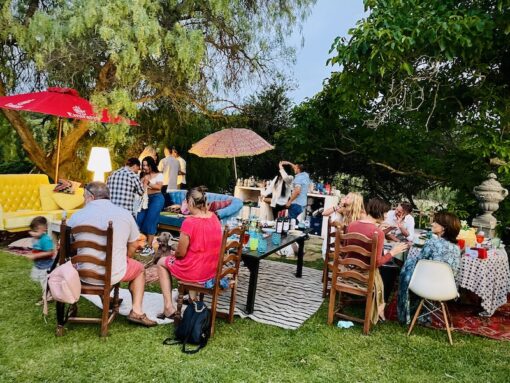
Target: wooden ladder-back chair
329	256
76	251
353	275
228	266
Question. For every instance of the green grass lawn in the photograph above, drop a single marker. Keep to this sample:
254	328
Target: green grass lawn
243	352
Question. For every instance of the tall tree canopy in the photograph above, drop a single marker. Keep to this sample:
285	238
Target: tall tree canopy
422	96
129	54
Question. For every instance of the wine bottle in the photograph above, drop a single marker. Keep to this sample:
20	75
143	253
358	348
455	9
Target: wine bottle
279	224
286	225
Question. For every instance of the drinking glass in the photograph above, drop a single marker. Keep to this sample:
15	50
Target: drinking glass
254	243
262	246
246	238
276	238
479	238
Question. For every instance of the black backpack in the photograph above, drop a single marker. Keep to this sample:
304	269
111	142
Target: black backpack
194	328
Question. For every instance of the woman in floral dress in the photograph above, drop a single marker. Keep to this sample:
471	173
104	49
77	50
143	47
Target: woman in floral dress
441	247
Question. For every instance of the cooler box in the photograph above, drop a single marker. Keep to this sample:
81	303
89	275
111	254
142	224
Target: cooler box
316	224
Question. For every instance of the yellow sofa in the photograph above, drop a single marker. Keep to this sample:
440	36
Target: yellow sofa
25	196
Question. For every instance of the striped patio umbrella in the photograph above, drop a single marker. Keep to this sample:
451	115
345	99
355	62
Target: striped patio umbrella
231	143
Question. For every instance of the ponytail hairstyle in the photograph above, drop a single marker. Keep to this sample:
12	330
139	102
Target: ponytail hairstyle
196	197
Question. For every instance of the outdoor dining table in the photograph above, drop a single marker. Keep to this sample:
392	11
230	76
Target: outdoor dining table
252	258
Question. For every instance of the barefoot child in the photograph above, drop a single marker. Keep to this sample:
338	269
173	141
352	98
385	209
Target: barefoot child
43	251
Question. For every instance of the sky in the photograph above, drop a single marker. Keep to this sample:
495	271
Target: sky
328	20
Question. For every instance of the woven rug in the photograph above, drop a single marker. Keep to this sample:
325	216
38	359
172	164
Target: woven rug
465	319
282	299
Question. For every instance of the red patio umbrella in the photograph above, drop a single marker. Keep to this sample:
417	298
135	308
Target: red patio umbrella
60	102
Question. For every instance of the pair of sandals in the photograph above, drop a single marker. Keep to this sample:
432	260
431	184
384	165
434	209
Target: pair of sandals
172	316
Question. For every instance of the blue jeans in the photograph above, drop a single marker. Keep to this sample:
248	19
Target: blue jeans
295	210
148	219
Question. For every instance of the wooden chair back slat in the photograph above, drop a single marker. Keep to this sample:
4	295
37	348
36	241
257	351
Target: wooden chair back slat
89	229
84	273
348	272
88	258
88	244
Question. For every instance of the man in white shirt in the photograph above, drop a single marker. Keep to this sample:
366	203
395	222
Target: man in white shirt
401	223
169	166
98	211
181	177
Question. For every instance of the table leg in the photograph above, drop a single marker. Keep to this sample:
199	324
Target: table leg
300	256
253	266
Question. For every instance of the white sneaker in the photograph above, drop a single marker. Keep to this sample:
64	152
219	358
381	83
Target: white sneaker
147	252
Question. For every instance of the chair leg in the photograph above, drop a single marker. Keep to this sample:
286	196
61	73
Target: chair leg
233	297
178	313
105	314
443	309
418	310
368	313
213	312
325	280
331	307
116	304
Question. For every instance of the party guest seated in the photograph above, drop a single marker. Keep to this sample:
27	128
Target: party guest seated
375	210
441	247
98	211
400	223
196	257
349	209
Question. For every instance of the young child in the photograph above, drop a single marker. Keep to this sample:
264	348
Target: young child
42	250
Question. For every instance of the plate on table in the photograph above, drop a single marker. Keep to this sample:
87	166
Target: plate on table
268	230
295	232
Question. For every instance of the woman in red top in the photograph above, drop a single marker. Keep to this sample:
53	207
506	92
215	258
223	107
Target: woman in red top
375	210
197	253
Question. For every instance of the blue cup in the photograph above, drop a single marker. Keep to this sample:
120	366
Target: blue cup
262	247
276	238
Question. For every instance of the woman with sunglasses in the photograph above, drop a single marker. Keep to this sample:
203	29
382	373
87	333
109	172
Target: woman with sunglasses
441	247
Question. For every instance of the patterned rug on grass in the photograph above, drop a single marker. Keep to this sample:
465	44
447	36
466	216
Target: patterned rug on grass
282	299
465	319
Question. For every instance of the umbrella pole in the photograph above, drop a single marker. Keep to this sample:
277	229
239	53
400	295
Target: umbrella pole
59	139
235	168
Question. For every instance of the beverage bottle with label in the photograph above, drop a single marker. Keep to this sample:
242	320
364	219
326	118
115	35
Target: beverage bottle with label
286	225
279	224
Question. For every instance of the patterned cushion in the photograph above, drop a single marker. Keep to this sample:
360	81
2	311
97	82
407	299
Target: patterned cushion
217	205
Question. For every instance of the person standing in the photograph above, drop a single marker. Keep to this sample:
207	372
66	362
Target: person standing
169	166
181	177
124	185
148	218
298	199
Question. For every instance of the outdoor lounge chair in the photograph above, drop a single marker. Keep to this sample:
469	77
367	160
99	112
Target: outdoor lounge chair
228	266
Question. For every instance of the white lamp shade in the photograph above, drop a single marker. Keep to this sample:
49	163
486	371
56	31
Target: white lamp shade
99	160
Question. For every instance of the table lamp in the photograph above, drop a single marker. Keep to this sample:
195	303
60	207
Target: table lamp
99	162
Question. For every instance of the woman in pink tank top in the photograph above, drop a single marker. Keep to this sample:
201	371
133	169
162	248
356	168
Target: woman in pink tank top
196	257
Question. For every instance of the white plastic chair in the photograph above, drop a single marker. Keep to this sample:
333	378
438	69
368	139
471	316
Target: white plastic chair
433	281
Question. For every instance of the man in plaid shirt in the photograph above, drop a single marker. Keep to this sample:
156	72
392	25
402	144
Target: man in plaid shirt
124	183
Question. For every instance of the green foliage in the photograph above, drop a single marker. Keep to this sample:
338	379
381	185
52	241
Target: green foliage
421	99
315	352
131	56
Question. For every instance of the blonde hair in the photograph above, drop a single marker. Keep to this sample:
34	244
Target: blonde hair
197	198
355	210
